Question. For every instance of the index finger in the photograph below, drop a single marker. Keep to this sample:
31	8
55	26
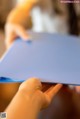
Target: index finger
51	92
21	32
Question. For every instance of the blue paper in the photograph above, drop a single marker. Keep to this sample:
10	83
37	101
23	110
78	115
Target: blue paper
53	58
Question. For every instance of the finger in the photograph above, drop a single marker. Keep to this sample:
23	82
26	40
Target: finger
21	32
9	40
31	84
51	92
77	89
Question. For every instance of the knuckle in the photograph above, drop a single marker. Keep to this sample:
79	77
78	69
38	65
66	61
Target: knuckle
34	80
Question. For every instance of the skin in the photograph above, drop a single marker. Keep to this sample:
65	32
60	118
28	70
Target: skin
77	88
15	22
29	100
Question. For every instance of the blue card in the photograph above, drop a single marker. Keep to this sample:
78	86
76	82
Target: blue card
53	58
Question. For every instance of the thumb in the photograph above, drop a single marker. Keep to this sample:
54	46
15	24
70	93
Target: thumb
21	32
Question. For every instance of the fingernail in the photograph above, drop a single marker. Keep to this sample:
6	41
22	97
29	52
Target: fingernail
27	38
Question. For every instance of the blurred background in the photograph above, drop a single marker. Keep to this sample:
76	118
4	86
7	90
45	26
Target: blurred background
66	104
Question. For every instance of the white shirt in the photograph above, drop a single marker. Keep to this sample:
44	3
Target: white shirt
43	22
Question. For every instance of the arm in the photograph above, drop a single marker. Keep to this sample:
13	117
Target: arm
29	100
20	13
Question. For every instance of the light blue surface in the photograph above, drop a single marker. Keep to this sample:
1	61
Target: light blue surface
50	57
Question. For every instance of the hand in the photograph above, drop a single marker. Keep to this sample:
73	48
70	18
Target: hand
17	17
12	31
29	100
77	88
33	86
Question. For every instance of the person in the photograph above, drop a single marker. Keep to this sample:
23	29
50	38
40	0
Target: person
43	16
30	100
47	9
44	19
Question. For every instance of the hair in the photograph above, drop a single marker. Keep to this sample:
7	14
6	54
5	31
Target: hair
73	20
72	16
